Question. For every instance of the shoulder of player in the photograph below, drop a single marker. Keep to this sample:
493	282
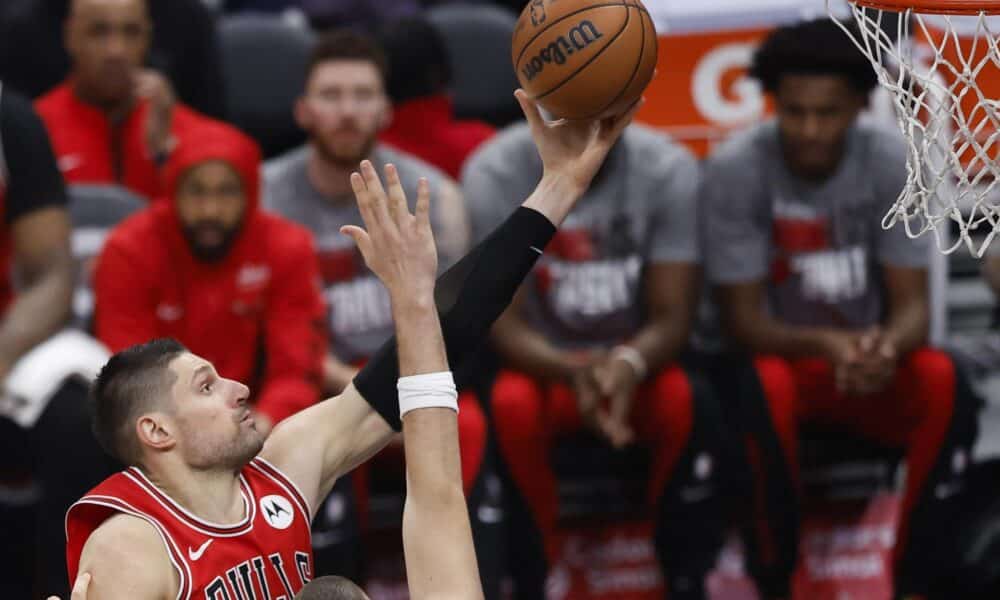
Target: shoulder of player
121	530
742	153
407	162
287	241
276	171
52	103
511	149
131	236
882	142
654	153
125	541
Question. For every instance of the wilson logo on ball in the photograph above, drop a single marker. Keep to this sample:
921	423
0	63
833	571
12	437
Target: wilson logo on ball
575	40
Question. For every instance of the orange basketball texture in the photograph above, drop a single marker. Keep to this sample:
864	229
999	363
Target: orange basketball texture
583	59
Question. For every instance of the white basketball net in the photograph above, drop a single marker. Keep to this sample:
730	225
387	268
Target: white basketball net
950	124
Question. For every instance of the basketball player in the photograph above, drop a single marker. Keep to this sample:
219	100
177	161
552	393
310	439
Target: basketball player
342	108
833	307
112	121
593	339
208	508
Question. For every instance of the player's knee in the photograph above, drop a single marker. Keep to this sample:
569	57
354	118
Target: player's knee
932	368
517	404
671	403
471	438
471	420
777	381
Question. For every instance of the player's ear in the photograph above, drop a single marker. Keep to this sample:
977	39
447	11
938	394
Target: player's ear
155	431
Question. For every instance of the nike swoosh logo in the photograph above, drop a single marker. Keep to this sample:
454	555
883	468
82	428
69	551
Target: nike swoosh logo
196	554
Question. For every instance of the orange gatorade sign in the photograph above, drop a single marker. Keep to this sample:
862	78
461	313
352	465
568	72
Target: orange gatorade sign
701	92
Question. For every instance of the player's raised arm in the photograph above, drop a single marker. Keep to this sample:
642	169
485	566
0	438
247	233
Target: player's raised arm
321	443
399	248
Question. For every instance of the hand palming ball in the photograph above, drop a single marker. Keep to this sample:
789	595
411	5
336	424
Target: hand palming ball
583	59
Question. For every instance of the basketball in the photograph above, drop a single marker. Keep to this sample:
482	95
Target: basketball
584	59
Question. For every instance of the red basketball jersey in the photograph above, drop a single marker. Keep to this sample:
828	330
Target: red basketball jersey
268	555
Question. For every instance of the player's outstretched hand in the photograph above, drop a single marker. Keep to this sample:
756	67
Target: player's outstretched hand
569	149
80	587
397	246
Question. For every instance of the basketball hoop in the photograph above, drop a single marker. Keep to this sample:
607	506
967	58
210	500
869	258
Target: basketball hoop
940	59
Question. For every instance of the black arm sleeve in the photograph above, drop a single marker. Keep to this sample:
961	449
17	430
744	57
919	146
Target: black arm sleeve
33	179
470	296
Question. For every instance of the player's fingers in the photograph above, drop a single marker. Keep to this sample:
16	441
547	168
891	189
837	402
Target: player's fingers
80	587
361	239
423	209
621	405
530	109
612	128
397	197
376	192
363	197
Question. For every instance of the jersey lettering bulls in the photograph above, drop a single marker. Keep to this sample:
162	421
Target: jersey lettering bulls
266	556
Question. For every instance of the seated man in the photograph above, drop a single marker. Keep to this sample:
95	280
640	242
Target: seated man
184	47
36	282
423	118
594	336
342	108
231	282
204	479
112	121
833	308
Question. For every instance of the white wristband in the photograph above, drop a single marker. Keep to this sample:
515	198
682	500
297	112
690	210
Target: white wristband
429	390
634	359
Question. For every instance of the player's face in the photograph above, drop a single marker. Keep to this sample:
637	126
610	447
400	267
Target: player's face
815	113
107	41
211	204
343	109
215	426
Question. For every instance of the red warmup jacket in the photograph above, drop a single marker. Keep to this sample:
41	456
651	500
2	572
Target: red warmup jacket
257	314
91	150
427	129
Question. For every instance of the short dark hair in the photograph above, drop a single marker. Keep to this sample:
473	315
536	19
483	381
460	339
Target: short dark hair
331	587
129	384
348	44
419	64
817	47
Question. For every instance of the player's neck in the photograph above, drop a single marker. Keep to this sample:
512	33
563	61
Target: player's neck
331	179
209	495
115	111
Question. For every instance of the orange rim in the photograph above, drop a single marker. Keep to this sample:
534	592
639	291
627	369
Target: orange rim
938	7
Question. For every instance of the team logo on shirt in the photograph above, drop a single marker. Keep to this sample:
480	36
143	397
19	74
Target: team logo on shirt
251	275
277	511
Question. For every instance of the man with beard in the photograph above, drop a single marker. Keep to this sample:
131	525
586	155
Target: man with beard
232	283
343	107
209	509
113	121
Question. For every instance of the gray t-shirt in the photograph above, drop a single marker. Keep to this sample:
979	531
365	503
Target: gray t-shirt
818	245
640	209
359	315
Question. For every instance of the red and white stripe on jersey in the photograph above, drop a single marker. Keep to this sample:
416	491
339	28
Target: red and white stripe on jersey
115	505
267	554
279	478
